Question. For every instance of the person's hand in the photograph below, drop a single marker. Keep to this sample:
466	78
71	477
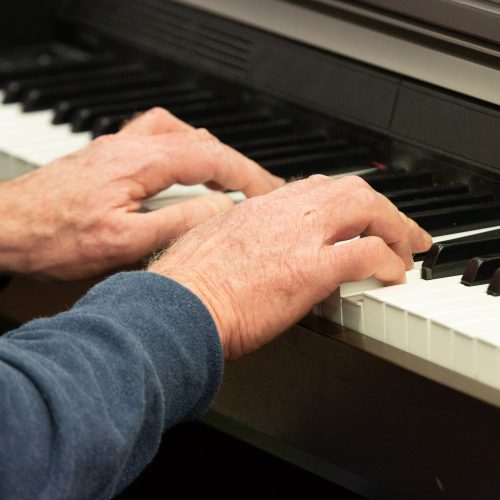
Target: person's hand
79	215
262	265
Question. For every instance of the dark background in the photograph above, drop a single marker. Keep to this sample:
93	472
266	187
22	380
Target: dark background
26	22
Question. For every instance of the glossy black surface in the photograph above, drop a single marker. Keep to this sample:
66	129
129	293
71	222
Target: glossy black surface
479	270
449	258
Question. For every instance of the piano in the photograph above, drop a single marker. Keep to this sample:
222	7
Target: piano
392	392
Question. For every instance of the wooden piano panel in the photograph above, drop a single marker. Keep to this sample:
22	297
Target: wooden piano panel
338	410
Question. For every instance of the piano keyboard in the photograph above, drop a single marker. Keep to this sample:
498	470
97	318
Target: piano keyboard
52	109
440	320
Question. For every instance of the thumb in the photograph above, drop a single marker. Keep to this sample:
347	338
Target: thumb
361	259
160	226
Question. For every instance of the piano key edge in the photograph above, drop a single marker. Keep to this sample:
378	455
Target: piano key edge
404	359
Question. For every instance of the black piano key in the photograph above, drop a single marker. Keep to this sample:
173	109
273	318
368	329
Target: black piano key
400	180
457	219
85	117
109	124
485	235
341	161
479	270
237	133
193	112
494	286
426	192
442	202
37	99
449	258
57	67
15	89
291	150
65	109
112	123
240	118
248	146
31	55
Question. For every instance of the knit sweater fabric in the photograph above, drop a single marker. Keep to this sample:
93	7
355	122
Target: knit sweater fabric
85	395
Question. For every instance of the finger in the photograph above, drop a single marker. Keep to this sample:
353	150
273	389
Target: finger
157	228
421	239
360	209
361	259
275	180
402	234
206	160
154	122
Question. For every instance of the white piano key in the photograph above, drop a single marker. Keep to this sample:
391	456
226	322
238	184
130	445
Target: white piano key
488	354
487	350
454	323
355	287
454	236
15	119
41	156
174	193
464	353
375	301
30	136
429	327
402	321
408	316
352	312
331	308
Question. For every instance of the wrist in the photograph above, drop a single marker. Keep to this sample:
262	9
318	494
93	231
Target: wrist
220	312
14	233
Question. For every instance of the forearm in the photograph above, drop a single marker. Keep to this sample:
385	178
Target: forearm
88	393
15	254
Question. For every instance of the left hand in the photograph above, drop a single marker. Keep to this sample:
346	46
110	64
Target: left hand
78	216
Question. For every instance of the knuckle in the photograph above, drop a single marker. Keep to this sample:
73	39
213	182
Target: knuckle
318	181
375	247
363	192
210	144
158	112
319	178
205	135
103	140
106	240
355	182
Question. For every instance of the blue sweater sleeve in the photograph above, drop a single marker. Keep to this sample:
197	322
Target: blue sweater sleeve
86	395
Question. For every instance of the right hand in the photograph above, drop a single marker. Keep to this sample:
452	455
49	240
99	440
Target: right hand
261	266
